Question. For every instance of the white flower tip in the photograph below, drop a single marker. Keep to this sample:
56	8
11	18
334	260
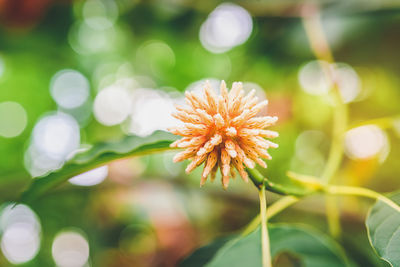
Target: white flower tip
251	164
203	181
201	152
273	145
231	131
181	145
232	153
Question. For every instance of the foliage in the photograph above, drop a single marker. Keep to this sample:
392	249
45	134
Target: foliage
308	246
148	212
98	155
383	230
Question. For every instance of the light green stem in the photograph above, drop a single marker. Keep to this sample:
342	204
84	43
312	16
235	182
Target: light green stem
335	156
280	205
333	216
359	191
384	122
320	47
266	251
274	209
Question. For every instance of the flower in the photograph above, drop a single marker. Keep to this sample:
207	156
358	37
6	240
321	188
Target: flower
223	131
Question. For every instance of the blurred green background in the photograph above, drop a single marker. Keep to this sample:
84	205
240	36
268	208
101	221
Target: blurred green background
73	73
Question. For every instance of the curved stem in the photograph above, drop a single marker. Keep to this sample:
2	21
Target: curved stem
251	226
384	122
274	209
339	128
266	251
256	177
320	47
359	191
280	205
333	216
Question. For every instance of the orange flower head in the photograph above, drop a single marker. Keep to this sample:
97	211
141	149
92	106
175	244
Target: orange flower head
223	131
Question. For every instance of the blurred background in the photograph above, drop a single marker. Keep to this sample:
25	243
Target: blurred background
73	73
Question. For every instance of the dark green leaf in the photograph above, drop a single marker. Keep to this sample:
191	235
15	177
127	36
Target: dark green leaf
314	248
311	248
98	155
204	254
383	226
287	259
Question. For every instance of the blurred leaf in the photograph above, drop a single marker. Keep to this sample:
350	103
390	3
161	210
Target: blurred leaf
204	254
312	248
286	259
99	154
383	226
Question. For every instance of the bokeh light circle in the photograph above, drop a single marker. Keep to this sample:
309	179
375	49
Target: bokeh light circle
90	178
316	78
348	82
21	233
313	78
158	56
69	88
70	249
229	25
100	14
366	142
56	135
151	111
13	119
112	105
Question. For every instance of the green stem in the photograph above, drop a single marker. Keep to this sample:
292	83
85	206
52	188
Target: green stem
274	209
339	128
320	47
335	157
384	122
359	191
333	216
280	205
256	177
266	251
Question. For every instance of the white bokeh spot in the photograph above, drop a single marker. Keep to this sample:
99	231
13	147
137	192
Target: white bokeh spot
229	25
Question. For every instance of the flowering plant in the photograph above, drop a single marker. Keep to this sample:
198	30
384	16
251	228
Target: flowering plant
225	132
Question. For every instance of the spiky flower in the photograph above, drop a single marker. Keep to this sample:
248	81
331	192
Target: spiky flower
223	131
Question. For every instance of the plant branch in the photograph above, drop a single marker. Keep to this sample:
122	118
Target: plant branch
256	177
320	47
339	128
266	251
359	191
384	122
273	210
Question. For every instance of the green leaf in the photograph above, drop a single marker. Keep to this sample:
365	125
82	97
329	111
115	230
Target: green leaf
314	248
309	246
204	254
98	155
383	226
